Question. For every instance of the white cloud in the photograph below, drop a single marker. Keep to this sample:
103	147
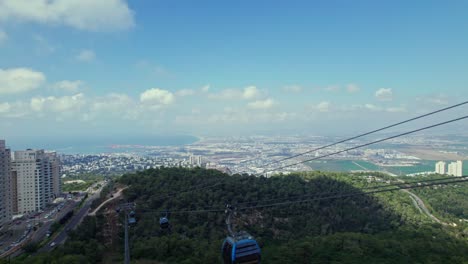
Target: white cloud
293	88
372	107
352	88
156	96
323	106
114	104
226	94
3	36
57	104
250	92
37	103
332	88
205	88
91	15
85	56
185	92
68	86
262	104
19	80
384	94
400	109
438	99
232	117
4	108
14	109
376	108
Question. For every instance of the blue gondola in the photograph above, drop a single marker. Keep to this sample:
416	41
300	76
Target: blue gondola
164	222
131	218
241	249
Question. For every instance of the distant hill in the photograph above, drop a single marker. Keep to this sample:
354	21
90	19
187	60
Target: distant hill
383	228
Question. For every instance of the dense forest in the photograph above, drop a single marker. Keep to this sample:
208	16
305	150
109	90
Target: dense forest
448	202
380	228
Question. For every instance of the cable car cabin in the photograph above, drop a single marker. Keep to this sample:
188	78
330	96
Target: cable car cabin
131	218
164	222
241	250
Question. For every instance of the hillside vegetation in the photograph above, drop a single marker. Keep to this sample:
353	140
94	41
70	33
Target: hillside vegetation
382	228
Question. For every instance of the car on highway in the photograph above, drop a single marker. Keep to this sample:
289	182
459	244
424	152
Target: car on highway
52	244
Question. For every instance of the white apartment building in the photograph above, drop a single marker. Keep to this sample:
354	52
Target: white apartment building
459	168
195	160
5	184
455	168
36	180
440	167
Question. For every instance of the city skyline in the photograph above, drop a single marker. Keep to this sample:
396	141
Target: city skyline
233	131
225	69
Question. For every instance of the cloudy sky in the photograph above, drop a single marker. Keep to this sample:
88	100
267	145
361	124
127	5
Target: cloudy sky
80	68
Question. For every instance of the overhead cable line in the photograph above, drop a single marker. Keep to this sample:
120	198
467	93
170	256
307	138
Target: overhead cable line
354	194
370	143
337	192
419	184
370	132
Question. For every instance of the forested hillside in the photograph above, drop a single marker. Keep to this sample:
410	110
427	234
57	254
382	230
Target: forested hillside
381	228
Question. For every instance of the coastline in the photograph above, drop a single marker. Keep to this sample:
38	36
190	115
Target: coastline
116	145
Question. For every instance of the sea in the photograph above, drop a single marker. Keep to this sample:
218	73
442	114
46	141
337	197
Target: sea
101	145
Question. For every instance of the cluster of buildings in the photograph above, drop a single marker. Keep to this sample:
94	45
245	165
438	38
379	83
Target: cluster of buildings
108	164
453	168
29	180
119	163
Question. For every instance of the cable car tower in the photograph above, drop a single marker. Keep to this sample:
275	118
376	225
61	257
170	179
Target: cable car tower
129	220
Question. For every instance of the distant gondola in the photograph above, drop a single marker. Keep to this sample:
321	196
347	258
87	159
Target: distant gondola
131	218
164	222
241	249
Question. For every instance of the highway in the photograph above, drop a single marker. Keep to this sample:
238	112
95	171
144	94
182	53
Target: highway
72	224
34	236
422	207
41	232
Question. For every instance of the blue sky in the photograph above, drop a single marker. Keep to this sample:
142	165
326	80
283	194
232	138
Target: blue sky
81	68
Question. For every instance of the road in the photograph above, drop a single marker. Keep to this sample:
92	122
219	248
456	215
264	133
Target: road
73	223
422	207
116	195
34	236
41	232
359	165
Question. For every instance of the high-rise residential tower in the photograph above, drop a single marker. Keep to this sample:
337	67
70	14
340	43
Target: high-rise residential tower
440	167
459	171
55	168
5	184
455	168
36	180
195	160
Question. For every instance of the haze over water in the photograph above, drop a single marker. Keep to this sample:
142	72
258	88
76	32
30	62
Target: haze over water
103	145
